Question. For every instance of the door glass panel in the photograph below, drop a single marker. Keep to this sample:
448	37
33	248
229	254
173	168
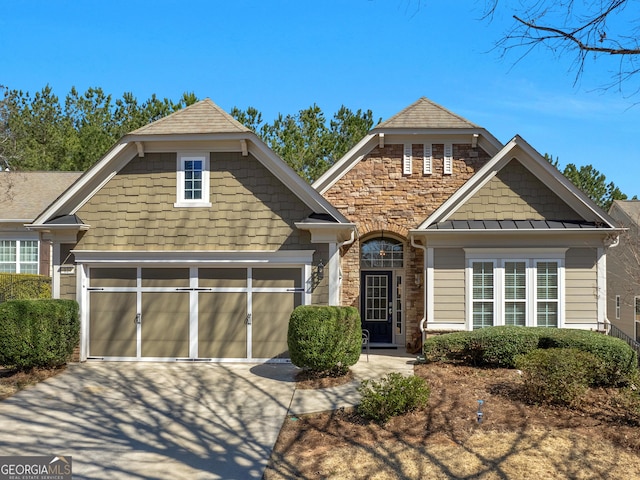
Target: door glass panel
377	300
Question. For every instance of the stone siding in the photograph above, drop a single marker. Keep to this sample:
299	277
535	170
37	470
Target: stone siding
378	197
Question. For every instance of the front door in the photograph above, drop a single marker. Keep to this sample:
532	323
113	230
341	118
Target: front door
377	305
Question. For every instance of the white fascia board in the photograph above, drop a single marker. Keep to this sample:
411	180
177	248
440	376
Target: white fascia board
538	231
70	196
291	179
188	257
346	163
327	232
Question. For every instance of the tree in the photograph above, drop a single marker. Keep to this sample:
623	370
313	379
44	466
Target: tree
591	182
304	140
606	28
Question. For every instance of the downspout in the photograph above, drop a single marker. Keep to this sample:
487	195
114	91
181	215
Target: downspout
424	284
607	322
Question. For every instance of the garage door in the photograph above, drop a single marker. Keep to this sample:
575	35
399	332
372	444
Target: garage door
191	313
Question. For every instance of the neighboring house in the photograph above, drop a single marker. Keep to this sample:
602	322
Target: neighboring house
23	195
190	239
623	270
457	231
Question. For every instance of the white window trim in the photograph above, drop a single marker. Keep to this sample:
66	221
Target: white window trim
182	157
532	258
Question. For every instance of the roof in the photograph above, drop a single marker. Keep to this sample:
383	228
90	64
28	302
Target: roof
478	225
25	194
425	114
202	117
629	208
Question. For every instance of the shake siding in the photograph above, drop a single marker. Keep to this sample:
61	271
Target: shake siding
251	209
581	285
67	281
449	298
515	194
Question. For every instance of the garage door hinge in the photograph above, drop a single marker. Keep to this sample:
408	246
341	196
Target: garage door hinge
299	289
94	289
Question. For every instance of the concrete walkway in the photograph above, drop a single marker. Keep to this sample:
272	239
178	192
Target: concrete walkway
167	420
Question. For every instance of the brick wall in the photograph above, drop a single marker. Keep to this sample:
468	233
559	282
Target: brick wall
378	197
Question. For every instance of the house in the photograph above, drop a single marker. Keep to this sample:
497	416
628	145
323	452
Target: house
623	270
23	195
190	239
458	231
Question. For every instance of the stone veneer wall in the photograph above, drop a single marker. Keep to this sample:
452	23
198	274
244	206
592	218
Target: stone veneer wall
378	197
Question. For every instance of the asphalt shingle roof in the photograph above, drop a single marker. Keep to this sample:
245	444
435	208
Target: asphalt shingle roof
426	114
202	117
24	195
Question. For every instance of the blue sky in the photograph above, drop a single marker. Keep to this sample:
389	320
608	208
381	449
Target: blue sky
283	56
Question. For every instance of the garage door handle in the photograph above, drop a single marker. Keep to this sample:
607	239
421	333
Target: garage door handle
248	319
138	319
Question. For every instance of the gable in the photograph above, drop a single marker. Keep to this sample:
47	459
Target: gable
514	193
251	209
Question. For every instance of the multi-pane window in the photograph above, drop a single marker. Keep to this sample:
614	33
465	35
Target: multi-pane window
483	294
523	292
377	298
19	256
636	309
617	307
381	253
547	294
515	293
193	180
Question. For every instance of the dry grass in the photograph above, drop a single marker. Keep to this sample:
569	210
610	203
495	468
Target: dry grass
515	440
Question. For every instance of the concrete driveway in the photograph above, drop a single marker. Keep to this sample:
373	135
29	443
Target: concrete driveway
161	421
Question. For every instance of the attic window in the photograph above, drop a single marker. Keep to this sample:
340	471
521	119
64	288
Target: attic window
407	159
448	159
427	159
192	180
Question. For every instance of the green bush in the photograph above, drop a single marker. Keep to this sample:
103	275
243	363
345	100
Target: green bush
21	286
325	339
394	395
556	375
498	346
619	362
38	333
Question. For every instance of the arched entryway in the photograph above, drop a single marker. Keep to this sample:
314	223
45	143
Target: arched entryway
382	289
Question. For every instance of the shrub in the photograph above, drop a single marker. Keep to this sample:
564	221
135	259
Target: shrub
21	286
499	346
556	375
394	395
325	339
38	333
619	362
447	347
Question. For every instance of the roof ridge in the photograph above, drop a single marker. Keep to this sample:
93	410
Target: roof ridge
402	118
201	117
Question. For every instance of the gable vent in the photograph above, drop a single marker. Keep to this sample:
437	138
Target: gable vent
407	159
427	160
448	159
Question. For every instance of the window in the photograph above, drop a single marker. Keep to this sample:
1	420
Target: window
381	253
512	291
483	294
636	309
193	180
19	256
617	307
